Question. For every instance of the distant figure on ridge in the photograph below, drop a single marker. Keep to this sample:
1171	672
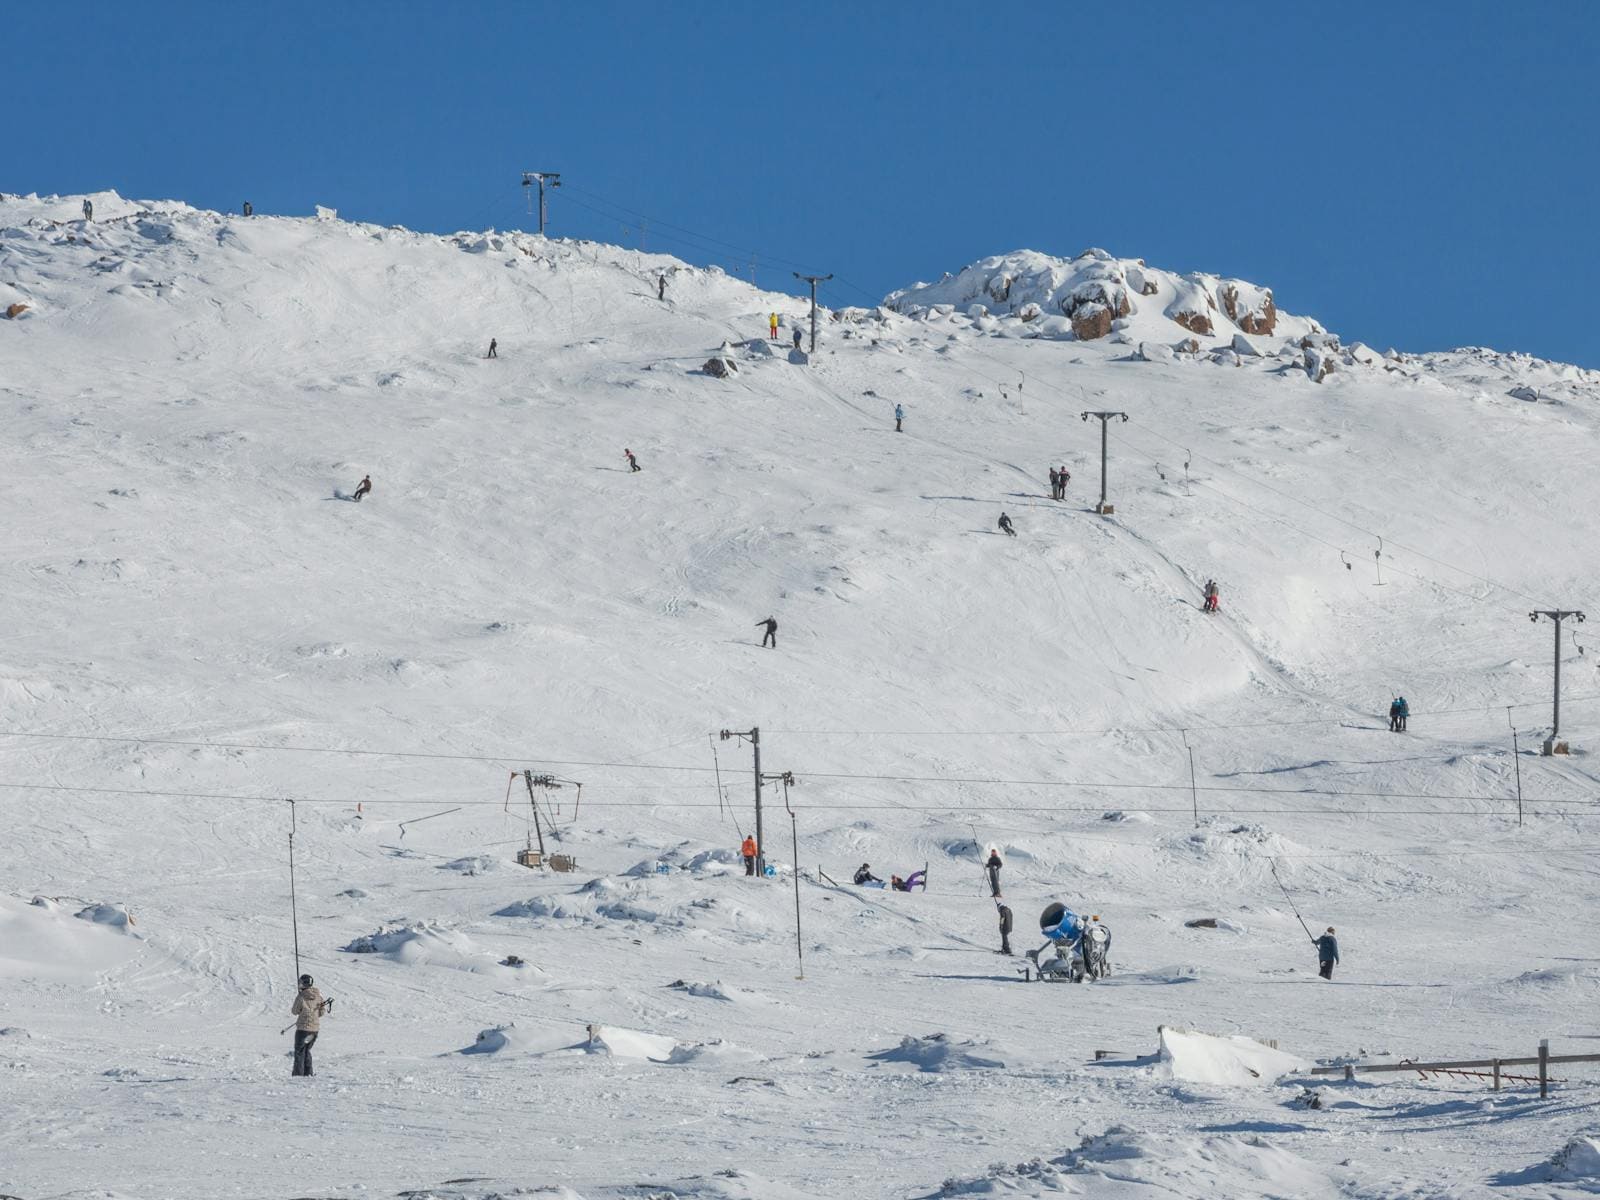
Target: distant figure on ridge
633	463
748	850
249	209
1005	526
661	287
1212	596
362	488
494	349
88	210
771	636
1327	953
772	324
899	417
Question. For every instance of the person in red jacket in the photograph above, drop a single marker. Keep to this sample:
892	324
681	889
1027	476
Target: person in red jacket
749	850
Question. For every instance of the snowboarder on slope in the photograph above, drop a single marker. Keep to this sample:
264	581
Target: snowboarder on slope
749	850
993	868
1005	928
772	324
1211	595
308	1008
494	349
771	635
1327	953
864	875
633	463
1005	526
362	488
899	416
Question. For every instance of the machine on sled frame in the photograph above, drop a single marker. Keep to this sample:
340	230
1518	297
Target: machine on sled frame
1074	950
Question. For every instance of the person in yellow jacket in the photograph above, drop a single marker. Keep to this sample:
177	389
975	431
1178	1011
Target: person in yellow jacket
749	850
772	323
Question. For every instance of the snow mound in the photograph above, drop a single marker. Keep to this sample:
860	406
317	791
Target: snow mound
630	1043
717	990
473	864
715	1053
1123	1165
426	943
1578	1159
41	941
1231	1060
113	916
938	1052
511	1039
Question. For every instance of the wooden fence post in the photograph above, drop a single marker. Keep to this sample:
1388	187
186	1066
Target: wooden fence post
1349	1072
1544	1067
1497	1074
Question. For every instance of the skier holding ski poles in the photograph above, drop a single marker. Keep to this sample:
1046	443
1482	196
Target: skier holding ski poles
309	1007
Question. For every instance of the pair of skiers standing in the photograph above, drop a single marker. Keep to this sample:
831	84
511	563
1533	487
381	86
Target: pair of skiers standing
1059	478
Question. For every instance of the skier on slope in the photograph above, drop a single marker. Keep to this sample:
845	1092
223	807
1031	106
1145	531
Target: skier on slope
771	635
992	867
1055	484
899	417
1212	596
494	349
309	1006
362	488
749	851
1005	526
633	463
1005	928
1327	953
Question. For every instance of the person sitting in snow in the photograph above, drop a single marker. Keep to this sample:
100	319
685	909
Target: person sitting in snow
864	875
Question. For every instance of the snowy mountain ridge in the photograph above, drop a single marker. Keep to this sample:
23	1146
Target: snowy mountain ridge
199	624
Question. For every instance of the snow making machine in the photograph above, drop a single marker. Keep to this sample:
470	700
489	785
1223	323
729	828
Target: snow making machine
1075	950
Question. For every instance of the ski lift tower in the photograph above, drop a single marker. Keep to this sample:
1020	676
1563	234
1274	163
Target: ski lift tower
529	178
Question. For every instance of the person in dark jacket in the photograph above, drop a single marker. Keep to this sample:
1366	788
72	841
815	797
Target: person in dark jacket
494	349
633	463
661	287
797	337
1055	484
864	875
770	638
993	868
362	488
1005	929
88	210
1005	526
249	209
1402	711
1327	953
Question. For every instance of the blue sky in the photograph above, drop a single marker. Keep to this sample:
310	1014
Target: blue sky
1413	174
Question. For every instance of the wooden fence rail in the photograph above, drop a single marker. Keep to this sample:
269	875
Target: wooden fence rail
1542	1060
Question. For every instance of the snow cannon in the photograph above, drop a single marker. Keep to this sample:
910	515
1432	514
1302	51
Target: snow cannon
1074	949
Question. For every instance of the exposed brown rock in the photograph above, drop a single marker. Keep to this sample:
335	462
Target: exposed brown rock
1263	318
13	311
1090	321
1194	322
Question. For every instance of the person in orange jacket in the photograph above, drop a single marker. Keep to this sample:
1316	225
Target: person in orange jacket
749	851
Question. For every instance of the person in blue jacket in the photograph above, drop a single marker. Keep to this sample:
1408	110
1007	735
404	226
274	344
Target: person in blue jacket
899	416
1327	953
1402	711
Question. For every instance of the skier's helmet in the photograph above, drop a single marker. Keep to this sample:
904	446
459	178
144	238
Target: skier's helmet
305	981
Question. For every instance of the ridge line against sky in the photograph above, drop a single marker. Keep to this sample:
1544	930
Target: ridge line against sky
1416	176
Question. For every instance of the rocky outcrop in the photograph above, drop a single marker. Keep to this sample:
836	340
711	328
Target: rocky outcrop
1249	307
1100	298
1320	362
1193	307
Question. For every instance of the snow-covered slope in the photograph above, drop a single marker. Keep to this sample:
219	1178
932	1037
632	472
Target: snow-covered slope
186	397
